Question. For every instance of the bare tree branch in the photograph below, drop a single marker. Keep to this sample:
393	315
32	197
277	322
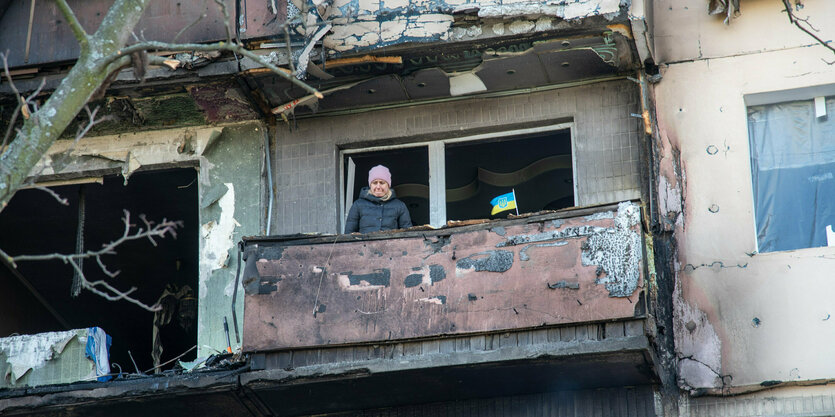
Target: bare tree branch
800	22
92	121
102	288
75	25
19	100
61	200
219	46
226	23
189	26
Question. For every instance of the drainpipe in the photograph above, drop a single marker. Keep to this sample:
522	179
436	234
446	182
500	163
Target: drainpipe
267	154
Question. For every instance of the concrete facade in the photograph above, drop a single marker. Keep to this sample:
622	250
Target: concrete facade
743	320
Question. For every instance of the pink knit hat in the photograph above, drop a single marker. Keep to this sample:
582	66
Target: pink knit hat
379	172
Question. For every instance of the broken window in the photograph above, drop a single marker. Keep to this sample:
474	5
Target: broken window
40	292
793	173
455	179
537	168
409	175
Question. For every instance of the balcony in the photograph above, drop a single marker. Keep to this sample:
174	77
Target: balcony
527	273
553	301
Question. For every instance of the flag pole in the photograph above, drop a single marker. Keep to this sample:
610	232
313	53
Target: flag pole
516	203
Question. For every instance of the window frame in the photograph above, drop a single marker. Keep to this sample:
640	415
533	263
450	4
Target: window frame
768	98
437	167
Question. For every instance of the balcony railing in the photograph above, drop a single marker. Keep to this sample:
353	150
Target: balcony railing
581	266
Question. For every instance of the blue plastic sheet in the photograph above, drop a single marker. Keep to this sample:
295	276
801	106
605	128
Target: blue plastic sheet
98	349
793	172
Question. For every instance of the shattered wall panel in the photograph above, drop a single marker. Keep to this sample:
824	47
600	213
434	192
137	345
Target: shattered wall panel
505	277
230	208
45	358
229	160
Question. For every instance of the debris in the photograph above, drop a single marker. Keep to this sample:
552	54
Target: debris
565	284
189	366
226	331
366	59
171	63
196	59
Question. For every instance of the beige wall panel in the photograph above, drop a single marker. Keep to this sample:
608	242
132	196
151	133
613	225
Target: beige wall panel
685	31
720	288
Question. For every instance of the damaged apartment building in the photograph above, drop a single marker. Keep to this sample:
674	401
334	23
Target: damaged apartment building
671	162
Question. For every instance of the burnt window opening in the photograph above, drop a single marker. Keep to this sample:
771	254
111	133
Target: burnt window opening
538	169
34	223
455	179
409	175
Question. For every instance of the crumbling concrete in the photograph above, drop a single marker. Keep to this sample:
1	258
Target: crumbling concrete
365	24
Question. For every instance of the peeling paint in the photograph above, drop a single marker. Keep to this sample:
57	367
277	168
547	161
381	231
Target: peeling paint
617	253
438	299
600	216
379	278
489	261
413	280
521	26
468	32
523	254
436	273
362	24
568	232
697	344
564	284
543	24
479	281
217	238
22	353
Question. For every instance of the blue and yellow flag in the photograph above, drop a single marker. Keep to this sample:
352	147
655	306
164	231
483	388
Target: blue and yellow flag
503	202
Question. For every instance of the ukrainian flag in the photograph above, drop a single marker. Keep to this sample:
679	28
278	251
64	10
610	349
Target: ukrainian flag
503	202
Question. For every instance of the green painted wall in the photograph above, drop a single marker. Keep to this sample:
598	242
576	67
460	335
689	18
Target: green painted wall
231	207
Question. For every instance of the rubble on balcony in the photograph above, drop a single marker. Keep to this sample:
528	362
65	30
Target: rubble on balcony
54	358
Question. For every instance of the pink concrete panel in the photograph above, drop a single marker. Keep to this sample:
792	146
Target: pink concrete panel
494	278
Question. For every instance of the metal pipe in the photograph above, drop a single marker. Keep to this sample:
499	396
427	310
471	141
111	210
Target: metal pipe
269	177
235	293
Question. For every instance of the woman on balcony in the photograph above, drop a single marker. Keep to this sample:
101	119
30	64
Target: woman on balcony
377	208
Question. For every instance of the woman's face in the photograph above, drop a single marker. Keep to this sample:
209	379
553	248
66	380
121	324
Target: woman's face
379	188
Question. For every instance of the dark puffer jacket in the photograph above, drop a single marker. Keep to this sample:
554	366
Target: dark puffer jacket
371	214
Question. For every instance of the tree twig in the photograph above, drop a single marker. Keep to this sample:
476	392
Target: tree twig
797	22
226	18
75	25
61	200
190	25
218	46
82	130
103	288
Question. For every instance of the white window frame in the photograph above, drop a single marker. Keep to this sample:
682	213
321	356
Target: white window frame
437	167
